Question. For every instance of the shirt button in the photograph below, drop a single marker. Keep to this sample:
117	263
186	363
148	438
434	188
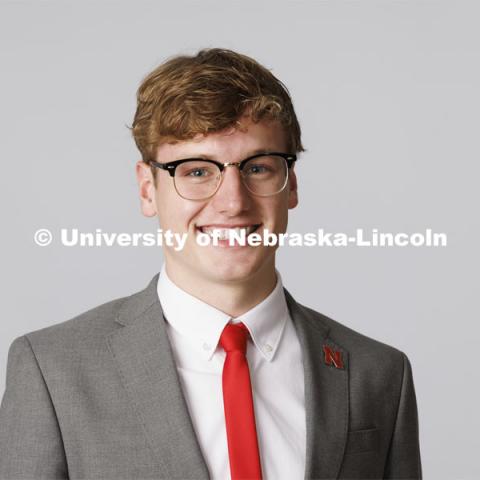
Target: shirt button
267	348
206	346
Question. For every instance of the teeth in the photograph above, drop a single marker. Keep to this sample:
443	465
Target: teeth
226	233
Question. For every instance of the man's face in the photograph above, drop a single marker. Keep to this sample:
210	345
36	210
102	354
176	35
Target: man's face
232	205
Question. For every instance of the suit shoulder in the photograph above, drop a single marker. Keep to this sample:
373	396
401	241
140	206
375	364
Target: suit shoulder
86	332
353	341
94	323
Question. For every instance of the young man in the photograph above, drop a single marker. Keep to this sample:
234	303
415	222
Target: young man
213	370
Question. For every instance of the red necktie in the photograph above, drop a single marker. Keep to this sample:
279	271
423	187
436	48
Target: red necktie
238	405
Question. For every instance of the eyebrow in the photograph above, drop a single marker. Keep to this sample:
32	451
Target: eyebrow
207	156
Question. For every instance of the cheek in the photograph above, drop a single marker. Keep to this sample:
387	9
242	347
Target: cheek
276	209
175	213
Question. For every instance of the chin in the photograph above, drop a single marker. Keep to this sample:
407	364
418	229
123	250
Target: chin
235	269
230	272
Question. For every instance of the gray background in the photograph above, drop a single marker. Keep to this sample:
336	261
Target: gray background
387	94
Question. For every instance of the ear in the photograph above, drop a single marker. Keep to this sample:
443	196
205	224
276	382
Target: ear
292	189
146	186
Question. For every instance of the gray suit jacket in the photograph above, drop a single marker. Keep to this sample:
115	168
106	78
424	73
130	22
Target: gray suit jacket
98	397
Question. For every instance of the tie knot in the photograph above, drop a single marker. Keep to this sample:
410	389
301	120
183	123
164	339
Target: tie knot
234	338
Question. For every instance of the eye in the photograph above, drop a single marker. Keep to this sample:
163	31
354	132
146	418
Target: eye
256	169
198	172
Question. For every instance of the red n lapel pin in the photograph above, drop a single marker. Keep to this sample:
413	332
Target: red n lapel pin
333	357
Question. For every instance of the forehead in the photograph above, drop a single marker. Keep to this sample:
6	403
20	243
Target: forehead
248	139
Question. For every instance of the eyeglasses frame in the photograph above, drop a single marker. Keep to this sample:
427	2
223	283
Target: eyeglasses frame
170	167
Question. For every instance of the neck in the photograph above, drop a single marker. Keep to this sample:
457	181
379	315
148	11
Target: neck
232	297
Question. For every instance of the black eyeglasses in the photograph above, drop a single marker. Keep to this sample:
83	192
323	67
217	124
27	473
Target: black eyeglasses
263	174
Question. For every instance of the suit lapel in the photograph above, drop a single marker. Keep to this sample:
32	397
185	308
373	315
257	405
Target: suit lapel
326	394
143	356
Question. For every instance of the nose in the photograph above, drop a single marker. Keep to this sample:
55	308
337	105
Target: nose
232	197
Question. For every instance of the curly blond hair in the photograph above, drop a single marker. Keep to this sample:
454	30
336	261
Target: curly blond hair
206	93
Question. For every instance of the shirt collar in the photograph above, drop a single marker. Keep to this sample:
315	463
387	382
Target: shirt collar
266	320
202	324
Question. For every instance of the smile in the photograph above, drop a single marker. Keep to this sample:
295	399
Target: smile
223	233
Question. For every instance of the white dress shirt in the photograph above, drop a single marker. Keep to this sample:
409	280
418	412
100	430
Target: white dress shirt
275	361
